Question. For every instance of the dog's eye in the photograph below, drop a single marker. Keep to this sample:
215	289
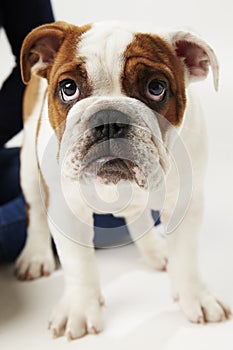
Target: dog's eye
156	90
69	90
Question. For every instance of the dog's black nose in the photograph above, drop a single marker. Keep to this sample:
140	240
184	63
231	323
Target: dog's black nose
109	123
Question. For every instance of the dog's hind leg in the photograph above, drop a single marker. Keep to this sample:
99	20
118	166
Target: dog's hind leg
148	240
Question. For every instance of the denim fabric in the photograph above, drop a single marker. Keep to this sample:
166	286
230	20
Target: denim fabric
12	229
9	174
12	206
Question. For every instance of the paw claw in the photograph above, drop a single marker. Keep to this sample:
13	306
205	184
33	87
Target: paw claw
201	320
227	311
69	336
93	330
54	333
102	301
176	298
223	318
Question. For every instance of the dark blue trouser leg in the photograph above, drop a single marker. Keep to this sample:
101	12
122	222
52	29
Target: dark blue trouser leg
12	206
12	229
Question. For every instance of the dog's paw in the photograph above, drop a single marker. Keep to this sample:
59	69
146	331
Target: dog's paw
154	250
203	307
156	257
34	263
76	315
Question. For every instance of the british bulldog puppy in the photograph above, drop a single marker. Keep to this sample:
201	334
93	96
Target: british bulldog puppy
110	126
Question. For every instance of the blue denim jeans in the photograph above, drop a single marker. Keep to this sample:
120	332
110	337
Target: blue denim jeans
109	231
12	229
12	206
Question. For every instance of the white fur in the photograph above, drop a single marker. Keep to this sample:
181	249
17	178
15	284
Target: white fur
108	45
36	259
70	220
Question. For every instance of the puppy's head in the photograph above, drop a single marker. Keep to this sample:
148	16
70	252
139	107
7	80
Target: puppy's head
114	94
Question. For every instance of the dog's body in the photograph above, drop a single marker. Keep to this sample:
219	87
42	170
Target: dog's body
111	109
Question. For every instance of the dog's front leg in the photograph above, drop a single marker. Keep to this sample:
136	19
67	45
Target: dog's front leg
79	310
198	304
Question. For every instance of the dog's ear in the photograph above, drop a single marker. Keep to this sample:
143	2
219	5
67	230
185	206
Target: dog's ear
40	48
197	56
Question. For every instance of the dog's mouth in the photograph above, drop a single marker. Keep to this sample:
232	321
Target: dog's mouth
133	159
112	170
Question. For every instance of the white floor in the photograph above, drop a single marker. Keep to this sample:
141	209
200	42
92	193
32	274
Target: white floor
139	312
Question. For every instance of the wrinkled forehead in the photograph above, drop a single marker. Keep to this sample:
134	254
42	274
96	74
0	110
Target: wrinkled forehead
105	41
104	38
102	48
105	47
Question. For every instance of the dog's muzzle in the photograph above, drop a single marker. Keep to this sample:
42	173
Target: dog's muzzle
110	151
114	146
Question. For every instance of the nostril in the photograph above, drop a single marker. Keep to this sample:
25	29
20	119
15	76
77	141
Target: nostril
100	128
110	130
101	131
117	129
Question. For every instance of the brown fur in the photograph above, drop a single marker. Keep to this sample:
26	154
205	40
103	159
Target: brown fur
64	69
30	97
76	71
55	45
150	57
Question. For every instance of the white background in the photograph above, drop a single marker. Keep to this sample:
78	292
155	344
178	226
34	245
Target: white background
139	312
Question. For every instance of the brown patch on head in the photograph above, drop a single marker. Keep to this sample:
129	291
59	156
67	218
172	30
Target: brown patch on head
66	66
150	57
50	51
